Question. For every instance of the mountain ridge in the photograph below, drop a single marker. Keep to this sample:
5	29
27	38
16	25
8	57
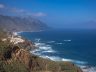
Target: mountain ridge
13	23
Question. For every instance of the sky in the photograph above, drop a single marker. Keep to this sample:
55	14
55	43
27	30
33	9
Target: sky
55	13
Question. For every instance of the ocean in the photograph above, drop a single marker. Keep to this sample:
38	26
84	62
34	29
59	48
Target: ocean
77	46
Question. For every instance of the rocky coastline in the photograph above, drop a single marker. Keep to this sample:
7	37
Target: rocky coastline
17	58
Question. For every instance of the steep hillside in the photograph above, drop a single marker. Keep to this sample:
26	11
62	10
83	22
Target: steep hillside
10	23
15	59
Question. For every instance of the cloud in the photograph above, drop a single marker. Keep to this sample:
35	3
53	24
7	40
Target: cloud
27	13
22	12
39	14
15	10
2	6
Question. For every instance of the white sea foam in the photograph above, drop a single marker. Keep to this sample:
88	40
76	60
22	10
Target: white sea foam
15	33
37	44
59	43
86	68
56	58
44	48
53	58
37	39
63	59
50	51
90	69
67	40
19	32
79	62
51	42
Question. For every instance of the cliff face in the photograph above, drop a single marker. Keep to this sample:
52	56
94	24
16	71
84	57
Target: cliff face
9	23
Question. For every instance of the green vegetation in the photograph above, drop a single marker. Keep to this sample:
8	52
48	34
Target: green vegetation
52	66
3	34
15	66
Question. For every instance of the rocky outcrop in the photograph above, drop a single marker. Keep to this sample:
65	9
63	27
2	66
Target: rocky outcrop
22	56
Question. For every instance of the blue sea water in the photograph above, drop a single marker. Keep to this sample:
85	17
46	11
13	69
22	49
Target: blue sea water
77	46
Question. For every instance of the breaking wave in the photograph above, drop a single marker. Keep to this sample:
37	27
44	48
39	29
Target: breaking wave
51	42
45	48
67	40
59	43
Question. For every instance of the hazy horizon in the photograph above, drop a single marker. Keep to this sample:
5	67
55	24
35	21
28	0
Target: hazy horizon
70	14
